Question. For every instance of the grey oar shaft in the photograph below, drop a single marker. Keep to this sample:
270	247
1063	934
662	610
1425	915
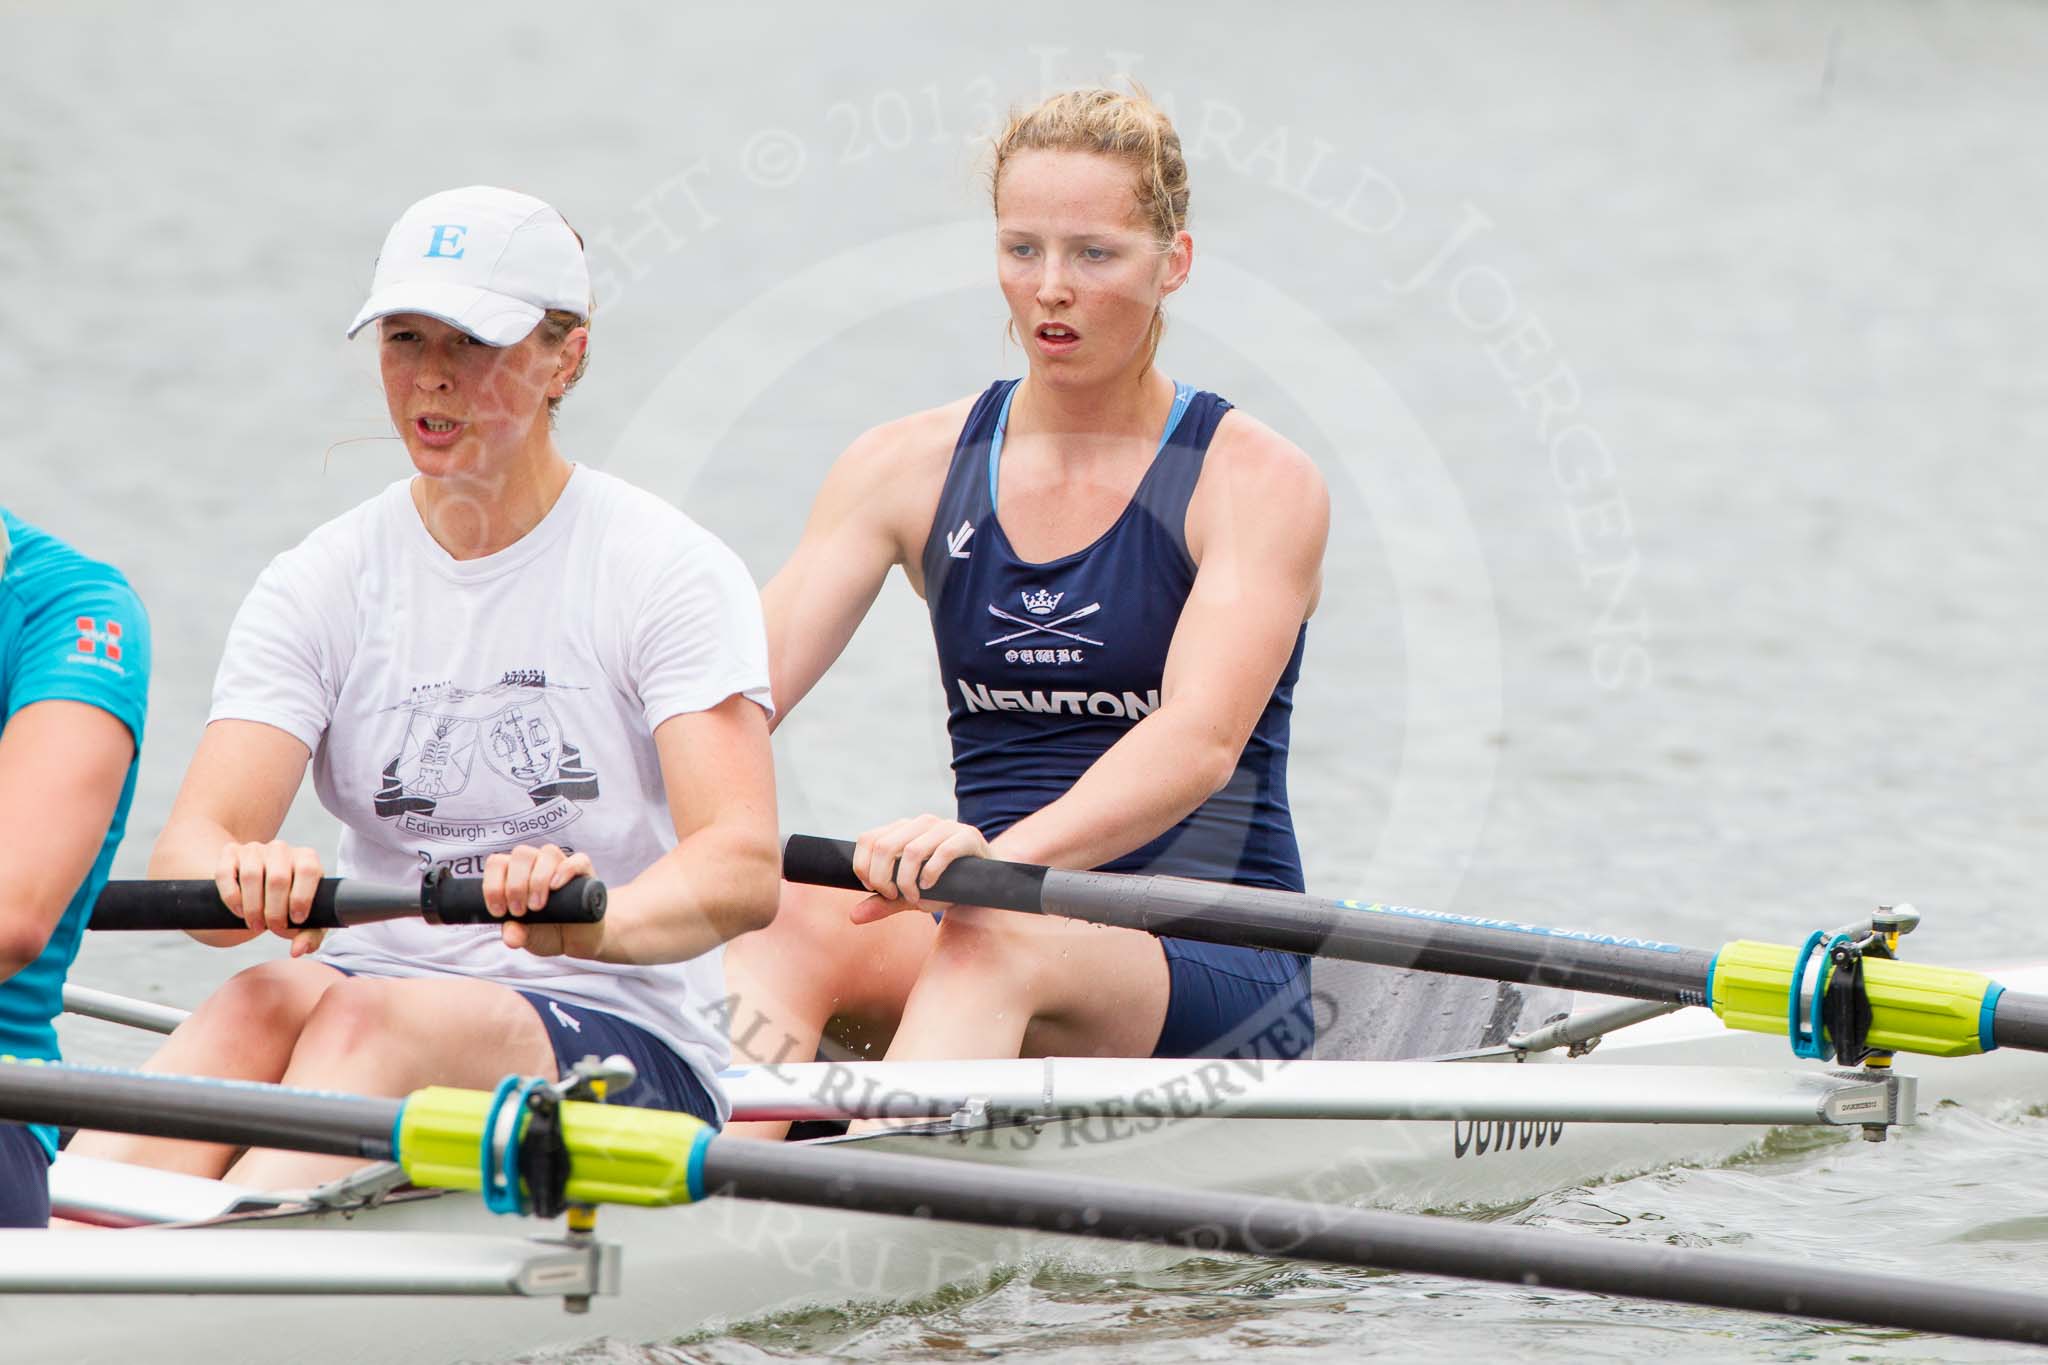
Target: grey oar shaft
1288	921
993	1196
1388	935
241	1113
2022	1021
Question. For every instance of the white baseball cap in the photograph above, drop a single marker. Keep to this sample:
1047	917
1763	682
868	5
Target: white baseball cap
486	260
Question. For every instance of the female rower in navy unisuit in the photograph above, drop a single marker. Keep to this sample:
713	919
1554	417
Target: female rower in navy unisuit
509	666
1118	570
74	685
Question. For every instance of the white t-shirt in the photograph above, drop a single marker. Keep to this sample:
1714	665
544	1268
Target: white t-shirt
456	708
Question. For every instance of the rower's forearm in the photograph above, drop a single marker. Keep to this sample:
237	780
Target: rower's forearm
189	849
711	887
1141	787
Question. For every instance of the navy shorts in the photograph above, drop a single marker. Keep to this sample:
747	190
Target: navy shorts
1235	1002
24	1179
665	1080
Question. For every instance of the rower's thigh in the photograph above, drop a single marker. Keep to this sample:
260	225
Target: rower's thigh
1090	989
390	1035
815	962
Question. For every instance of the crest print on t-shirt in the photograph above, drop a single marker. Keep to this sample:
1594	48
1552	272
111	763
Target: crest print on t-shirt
484	767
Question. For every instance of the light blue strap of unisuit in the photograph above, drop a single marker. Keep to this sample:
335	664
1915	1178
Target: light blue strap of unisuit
1183	394
995	442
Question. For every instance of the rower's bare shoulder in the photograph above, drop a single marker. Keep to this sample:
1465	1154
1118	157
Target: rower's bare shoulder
1250	464
893	473
916	447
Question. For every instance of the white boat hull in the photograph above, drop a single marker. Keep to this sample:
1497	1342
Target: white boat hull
725	1260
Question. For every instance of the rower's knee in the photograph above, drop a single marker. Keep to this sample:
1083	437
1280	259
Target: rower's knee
268	1000
986	947
353	1019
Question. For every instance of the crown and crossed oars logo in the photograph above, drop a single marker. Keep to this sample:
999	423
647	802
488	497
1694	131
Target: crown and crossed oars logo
1043	603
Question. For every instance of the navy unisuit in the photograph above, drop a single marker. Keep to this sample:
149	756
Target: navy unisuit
1047	665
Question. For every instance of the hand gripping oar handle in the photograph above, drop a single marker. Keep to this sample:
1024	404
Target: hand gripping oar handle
458	900
338	903
814	861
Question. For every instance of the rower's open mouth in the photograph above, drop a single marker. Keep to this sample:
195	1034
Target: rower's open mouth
1057	331
437	430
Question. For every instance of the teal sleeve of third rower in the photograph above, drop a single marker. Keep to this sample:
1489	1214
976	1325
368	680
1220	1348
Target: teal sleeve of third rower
82	639
71	629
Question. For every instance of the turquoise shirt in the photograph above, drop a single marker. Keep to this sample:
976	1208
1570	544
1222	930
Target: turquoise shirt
71	629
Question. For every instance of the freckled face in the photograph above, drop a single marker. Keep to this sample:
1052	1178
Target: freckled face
459	403
1079	266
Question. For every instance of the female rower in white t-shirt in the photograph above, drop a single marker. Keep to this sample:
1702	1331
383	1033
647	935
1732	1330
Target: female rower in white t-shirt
508	666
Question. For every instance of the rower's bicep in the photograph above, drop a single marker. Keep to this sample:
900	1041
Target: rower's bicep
241	781
1258	580
717	769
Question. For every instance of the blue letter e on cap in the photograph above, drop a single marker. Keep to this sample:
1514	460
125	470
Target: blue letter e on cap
447	235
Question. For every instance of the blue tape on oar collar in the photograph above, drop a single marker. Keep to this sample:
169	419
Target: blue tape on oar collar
499	1165
1987	1018
698	1146
1811	1042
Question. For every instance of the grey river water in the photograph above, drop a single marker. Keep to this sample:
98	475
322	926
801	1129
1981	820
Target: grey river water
1676	370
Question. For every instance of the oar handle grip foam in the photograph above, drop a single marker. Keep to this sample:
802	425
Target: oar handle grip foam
338	903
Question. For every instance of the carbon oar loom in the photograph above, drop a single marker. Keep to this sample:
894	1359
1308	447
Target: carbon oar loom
1863	1004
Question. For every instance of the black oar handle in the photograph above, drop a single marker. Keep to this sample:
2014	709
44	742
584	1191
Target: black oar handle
180	904
460	900
971	881
338	903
